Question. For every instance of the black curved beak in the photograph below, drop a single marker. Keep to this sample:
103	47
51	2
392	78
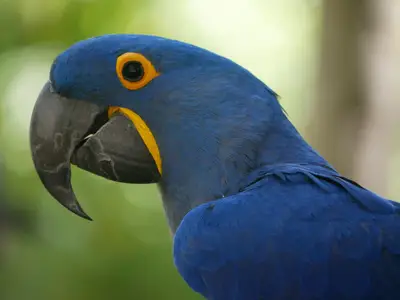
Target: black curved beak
65	131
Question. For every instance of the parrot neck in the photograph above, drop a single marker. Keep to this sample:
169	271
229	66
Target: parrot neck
284	144
207	175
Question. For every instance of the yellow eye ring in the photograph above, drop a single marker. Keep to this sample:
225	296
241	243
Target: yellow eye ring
134	70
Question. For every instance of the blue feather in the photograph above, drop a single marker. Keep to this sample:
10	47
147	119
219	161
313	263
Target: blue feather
295	232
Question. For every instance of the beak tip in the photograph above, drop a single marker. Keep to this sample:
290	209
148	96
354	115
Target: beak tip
77	210
80	213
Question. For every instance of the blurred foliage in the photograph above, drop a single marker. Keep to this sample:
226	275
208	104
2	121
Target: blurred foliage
62	21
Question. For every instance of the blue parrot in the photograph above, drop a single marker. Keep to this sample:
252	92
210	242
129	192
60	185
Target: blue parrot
256	213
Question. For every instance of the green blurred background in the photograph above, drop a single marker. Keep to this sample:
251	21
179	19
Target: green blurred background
333	63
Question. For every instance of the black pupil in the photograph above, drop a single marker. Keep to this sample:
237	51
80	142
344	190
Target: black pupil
133	71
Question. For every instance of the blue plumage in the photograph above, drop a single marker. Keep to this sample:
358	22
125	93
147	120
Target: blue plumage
297	232
258	214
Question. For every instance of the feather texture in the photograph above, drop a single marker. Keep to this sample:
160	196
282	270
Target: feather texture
296	232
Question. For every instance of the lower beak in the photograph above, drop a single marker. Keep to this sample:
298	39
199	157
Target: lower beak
65	130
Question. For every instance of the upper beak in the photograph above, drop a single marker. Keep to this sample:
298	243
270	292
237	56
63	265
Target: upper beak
65	130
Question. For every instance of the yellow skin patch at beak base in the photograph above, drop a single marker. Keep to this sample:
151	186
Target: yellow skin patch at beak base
144	131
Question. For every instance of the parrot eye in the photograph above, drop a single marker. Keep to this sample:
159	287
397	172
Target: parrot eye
134	70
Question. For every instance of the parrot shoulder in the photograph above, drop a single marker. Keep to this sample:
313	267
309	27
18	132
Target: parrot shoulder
282	234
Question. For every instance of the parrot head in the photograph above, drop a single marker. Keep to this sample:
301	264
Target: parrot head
145	109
